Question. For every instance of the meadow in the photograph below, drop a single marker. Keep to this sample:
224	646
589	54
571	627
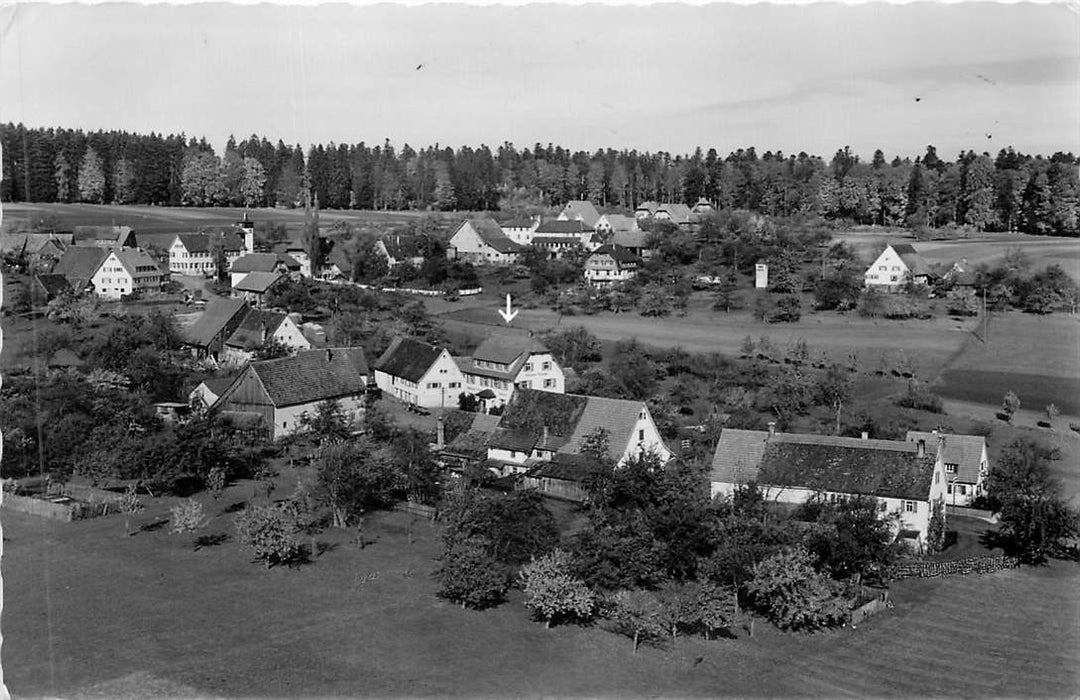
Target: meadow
91	613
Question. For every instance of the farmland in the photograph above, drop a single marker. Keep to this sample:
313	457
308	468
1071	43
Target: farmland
91	613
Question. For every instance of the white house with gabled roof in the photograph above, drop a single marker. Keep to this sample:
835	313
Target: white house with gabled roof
420	374
896	266
482	242
503	363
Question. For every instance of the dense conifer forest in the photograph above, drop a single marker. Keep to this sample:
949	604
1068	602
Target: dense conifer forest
1009	191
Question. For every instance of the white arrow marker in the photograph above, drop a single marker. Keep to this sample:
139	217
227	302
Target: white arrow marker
509	314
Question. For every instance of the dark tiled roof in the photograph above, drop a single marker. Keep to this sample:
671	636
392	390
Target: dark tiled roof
218	385
217	315
263	262
156	241
533	410
629	239
505	348
521	440
256	327
617	416
519	222
912	259
117	234
618	254
338	257
407	358
565	467
54	285
79	263
195	242
621	222
679	213
965	451
473	442
853	468
33	242
313	375
564	226
257	282
132	259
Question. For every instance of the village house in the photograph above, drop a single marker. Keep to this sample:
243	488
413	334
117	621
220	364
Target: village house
966	464
206	394
337	267
196	254
896	266
263	262
674	212
540	436
906	478
558	237
104	236
702	207
610	264
503	363
580	210
419	374
633	242
482	242
42	250
52	287
229	330
258	329
609	224
399	249
112	273
253	286
284	391
521	229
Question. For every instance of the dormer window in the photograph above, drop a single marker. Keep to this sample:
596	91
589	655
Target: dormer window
950	468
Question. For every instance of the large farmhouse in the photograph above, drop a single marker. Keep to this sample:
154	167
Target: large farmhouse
580	210
504	363
558	237
111	272
283	391
906	478
419	374
195	254
896	266
263	262
482	242
231	331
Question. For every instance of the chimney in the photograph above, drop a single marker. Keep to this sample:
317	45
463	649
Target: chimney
922	448
262	332
440	432
772	428
544	439
865	435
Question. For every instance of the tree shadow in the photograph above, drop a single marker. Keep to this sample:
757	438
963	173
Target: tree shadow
235	507
154	526
993	539
324	547
211	540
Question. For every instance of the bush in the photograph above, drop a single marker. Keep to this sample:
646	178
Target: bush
188	517
920	397
788	590
270	532
551	591
471	576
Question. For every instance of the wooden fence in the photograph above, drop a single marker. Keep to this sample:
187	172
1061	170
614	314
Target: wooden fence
871	607
960	567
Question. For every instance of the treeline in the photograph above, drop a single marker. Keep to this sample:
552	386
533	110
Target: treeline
1008	192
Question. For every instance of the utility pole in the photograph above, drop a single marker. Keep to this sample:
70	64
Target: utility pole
986	323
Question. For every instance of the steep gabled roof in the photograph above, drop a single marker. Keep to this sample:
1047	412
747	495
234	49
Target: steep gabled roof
965	451
263	262
408	358
79	263
156	241
915	263
215	317
118	235
564	227
492	234
311	376
472	443
851	468
629	239
505	348
54	285
195	242
618	254
649	206
617	416
32	243
679	213
621	222
257	282
738	455
576	208
132	259
256	327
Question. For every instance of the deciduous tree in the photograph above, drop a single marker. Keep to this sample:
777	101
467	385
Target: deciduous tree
552	591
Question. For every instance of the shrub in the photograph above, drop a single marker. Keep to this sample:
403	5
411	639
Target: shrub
270	532
470	575
551	591
638	615
188	517
788	590
920	397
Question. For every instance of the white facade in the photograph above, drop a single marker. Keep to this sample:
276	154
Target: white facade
602	270
539	371
287	333
287	419
469	246
190	263
761	276
521	235
113	279
889	271
438	388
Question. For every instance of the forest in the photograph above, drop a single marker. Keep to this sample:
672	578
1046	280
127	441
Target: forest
1009	191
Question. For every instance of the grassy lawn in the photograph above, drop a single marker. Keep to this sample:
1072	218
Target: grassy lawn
91	613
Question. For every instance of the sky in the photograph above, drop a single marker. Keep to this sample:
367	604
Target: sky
668	77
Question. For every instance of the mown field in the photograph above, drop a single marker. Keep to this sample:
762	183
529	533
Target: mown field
91	613
179	219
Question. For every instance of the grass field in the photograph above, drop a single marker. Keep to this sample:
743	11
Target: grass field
1038	357
169	219
929	344
1042	251
91	613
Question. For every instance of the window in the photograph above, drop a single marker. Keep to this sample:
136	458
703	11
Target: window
892	278
950	468
950	488
641	435
433	385
937	477
961	489
549	383
455	385
528	367
547	366
911	507
883	268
